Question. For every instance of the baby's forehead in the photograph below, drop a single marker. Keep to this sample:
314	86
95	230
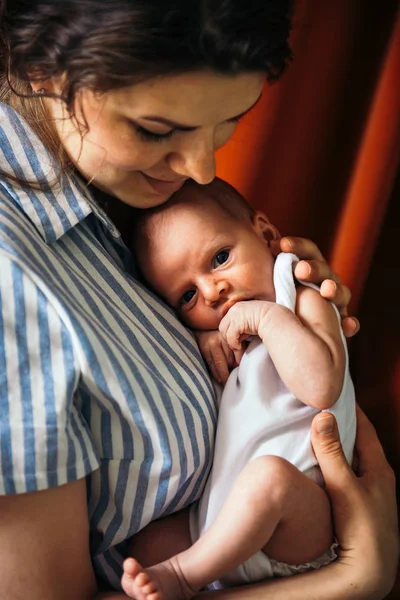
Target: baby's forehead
186	225
217	197
192	205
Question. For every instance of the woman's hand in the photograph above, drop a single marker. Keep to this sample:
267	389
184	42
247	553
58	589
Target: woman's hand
364	504
314	268
365	521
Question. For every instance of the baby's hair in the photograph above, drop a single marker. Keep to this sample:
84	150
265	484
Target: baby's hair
147	222
227	197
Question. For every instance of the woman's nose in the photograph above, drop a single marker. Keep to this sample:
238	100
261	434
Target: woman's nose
195	160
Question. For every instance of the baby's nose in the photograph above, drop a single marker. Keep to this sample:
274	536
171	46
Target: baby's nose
214	291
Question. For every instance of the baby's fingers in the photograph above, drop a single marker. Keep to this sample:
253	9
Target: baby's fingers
220	360
219	370
230	333
239	354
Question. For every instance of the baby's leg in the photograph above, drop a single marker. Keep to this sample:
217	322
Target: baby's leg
156	543
271	507
304	531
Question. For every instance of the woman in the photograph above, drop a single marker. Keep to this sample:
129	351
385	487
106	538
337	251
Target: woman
107	412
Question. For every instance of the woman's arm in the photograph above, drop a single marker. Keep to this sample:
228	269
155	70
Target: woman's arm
44	546
365	519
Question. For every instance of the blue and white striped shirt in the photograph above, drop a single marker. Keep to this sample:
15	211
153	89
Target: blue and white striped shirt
97	377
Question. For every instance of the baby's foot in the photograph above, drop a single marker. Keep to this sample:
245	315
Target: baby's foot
136	583
160	582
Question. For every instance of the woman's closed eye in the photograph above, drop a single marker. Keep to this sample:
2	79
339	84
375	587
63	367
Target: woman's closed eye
151	136
220	258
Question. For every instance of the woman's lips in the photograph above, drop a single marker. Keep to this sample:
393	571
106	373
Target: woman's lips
164	187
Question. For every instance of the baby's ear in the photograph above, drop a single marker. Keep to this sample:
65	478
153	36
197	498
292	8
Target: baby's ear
264	228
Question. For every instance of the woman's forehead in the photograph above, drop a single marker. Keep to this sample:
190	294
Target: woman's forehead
190	99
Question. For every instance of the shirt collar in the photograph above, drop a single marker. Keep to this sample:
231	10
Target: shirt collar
53	201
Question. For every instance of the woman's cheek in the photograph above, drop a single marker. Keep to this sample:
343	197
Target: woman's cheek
114	143
223	134
132	156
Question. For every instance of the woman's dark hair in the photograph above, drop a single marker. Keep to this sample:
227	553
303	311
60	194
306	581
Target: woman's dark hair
109	44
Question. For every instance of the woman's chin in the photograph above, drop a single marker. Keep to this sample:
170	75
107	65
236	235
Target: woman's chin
134	195
144	201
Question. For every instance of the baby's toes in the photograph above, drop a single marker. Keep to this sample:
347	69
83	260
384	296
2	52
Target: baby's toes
134	580
132	568
150	589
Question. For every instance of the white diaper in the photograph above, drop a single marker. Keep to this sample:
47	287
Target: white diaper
260	567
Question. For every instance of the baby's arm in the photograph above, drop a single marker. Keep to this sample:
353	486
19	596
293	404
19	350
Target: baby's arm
306	347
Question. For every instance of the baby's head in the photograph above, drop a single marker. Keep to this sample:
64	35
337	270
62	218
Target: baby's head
204	250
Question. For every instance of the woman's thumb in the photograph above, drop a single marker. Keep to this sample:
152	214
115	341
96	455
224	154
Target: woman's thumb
328	450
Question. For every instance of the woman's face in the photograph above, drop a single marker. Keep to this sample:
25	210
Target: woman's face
144	141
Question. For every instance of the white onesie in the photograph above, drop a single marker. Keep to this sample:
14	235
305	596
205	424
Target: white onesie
259	416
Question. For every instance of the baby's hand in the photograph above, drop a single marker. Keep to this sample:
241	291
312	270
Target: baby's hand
218	356
242	320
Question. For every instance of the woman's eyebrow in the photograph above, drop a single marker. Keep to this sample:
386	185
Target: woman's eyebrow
182	127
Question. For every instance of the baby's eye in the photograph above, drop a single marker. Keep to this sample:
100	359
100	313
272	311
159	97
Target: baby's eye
221	258
187	297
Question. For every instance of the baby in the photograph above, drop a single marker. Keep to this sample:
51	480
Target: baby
264	511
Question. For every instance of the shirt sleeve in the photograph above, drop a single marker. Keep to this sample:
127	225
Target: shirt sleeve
44	439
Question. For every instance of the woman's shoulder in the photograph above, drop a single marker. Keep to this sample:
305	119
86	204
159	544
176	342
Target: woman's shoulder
33	191
23	153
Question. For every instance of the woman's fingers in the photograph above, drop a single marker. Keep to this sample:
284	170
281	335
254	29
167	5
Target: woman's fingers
364	507
340	295
375	481
303	248
316	271
350	326
329	453
313	268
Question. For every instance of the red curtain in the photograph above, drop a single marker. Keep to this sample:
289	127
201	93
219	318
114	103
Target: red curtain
320	155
